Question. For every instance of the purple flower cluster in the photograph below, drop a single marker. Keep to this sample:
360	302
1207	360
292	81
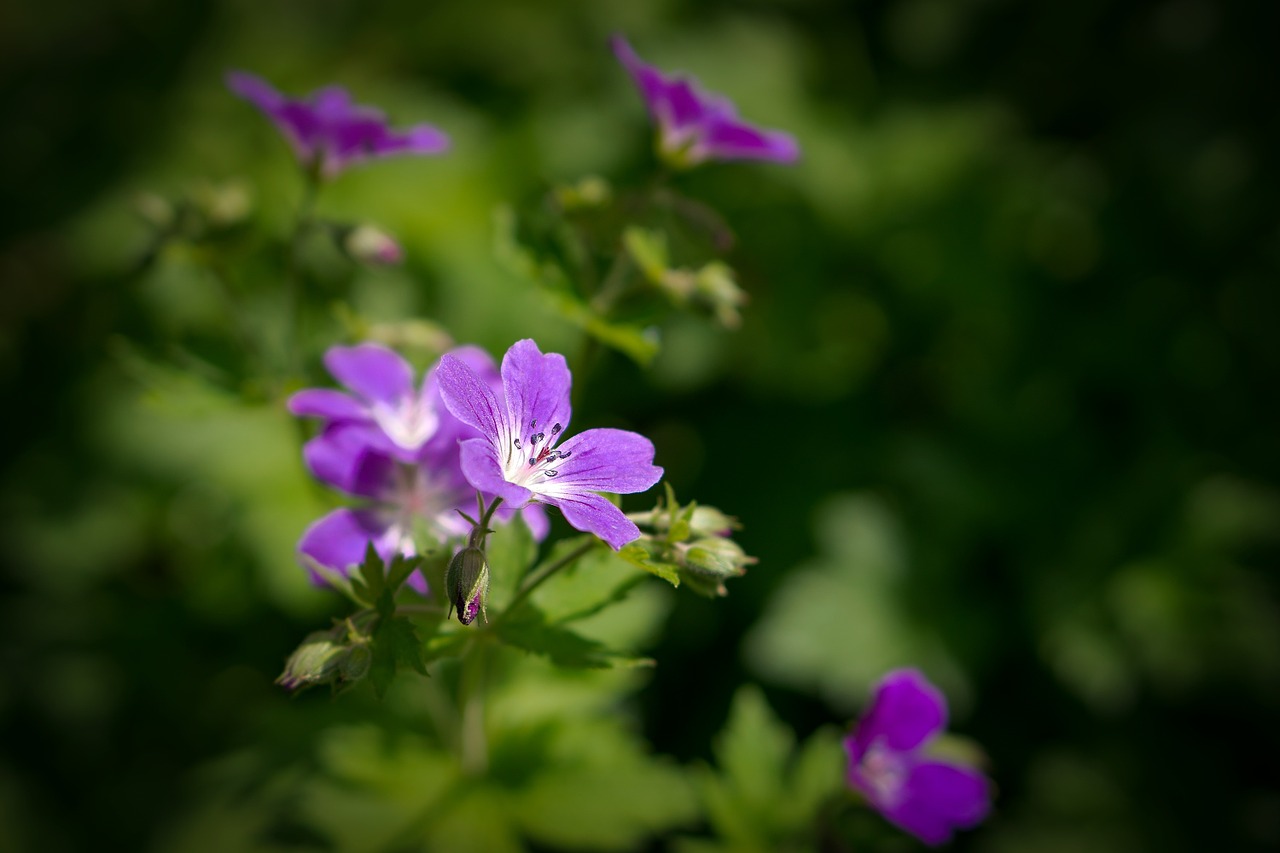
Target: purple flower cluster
695	126
416	454
329	131
890	766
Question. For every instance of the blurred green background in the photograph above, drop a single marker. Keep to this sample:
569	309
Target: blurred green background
1004	404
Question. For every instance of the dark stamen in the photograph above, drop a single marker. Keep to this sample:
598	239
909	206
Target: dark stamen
518	447
555	429
550	473
533	424
565	454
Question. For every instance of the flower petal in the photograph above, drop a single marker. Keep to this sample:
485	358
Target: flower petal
483	470
327	403
536	387
591	513
535	518
339	540
734	140
470	400
905	711
348	457
604	460
255	90
939	798
372	371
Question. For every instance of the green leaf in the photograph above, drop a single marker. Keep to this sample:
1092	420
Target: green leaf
527	629
638	556
400	569
371	578
395	645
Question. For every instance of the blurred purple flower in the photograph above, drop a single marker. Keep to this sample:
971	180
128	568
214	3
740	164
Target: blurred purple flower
694	125
518	458
383	393
329	131
888	764
395	446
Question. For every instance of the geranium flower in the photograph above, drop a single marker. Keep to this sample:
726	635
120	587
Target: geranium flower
521	457
888	762
694	125
393	444
329	131
383	392
405	501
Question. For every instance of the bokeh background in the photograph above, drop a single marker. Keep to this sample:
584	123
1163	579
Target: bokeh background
1004	404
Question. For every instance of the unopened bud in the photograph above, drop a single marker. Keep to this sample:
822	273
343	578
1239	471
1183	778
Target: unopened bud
709	521
715	286
371	245
716	557
323	658
467	582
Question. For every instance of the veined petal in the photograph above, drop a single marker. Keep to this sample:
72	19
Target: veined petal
326	403
591	513
338	541
470	400
536	387
906	711
603	460
483	470
939	798
372	371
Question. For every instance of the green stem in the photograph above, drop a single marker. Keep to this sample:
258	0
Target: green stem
473	742
293	285
535	580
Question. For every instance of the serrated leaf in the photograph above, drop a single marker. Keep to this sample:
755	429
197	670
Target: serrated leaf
527	629
400	569
370	580
636	555
395	645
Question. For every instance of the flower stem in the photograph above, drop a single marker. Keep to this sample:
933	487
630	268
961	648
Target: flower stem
293	285
473	743
534	580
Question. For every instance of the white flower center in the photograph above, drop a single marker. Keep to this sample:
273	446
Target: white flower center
532	460
885	772
410	423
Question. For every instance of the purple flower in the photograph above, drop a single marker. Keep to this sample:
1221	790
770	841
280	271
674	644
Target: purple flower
888	763
384	394
694	125
395	446
329	131
404	501
520	457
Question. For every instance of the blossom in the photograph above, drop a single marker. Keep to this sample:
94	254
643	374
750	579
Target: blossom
523	456
383	393
889	765
329	131
694	125
393	445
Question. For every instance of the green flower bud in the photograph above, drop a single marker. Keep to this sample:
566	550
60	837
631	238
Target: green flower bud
370	245
716	557
325	657
467	583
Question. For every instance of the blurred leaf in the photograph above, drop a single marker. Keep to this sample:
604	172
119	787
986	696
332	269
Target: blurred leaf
636	555
527	628
765	794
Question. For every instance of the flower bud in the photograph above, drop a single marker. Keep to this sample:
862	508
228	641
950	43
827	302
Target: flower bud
467	583
372	245
325	658
716	557
715	287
